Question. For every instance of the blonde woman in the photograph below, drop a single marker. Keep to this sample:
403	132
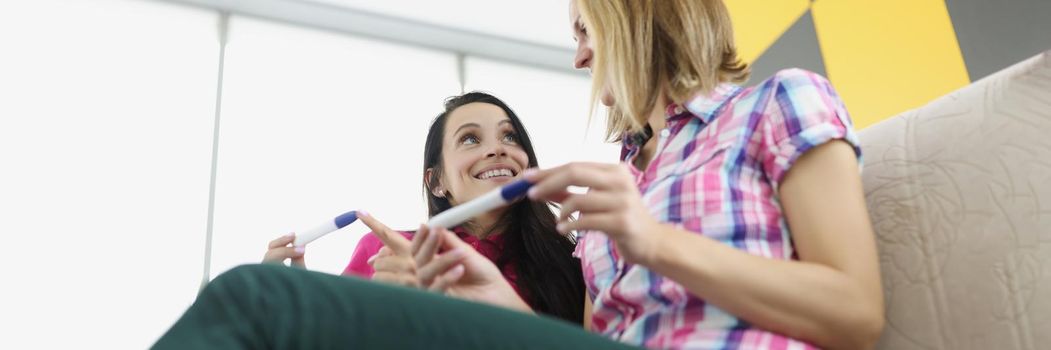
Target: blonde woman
736	219
741	222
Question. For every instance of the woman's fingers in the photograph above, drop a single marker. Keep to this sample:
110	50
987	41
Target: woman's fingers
439	265
417	239
558	197
279	250
591	202
396	278
443	282
592	222
394	264
398	244
282	241
550	183
428	248
384	251
281	253
300	261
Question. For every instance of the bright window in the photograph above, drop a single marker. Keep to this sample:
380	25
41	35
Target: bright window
106	115
315	124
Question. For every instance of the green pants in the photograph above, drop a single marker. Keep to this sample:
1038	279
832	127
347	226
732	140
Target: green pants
276	307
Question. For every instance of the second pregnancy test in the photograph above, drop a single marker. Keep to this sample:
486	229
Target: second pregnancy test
489	201
307	236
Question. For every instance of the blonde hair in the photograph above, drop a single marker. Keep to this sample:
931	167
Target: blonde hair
684	47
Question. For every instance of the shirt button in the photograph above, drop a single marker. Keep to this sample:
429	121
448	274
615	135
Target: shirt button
665	133
678	110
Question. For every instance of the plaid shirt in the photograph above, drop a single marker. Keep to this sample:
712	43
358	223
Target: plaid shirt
716	172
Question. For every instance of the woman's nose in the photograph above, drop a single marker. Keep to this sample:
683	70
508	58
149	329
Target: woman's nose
583	58
496	150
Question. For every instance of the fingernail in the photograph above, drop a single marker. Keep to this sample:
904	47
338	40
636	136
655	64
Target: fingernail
371	259
455	252
301	249
290	235
529	172
363	214
532	192
561	227
457	270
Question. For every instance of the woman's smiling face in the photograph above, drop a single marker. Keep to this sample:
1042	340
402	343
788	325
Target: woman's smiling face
480	152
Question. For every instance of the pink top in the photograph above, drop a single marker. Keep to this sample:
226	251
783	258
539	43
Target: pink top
491	247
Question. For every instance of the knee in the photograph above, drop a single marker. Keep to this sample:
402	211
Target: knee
242	274
244	281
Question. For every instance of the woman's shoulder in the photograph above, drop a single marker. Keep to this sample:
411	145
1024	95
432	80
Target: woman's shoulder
787	85
799	110
796	91
795	77
791	96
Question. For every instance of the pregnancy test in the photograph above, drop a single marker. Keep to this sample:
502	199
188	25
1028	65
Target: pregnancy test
302	238
489	201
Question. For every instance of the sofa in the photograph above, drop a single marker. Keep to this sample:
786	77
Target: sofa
959	192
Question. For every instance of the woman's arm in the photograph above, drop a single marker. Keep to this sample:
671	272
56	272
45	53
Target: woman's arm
587	311
832	297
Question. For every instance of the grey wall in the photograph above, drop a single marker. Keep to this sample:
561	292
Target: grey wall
994	34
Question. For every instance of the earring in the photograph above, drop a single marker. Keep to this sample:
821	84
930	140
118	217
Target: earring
440	193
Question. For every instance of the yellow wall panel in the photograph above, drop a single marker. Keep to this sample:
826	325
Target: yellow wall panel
758	23
888	56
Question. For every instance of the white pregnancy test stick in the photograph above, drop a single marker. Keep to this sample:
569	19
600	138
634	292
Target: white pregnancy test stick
302	238
489	201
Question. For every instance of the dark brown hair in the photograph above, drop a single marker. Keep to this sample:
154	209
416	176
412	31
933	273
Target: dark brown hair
547	272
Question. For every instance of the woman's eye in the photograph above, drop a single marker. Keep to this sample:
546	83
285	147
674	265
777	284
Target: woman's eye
469	140
510	138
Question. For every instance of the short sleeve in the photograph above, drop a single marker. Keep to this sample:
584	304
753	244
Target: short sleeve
803	112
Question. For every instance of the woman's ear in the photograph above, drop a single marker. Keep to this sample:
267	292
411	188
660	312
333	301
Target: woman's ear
437	189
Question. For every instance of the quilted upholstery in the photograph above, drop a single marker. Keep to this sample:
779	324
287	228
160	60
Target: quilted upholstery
960	196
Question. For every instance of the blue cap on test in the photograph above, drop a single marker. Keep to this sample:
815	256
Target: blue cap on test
346	219
515	189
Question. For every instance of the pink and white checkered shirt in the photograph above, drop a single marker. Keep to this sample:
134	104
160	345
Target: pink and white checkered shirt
716	172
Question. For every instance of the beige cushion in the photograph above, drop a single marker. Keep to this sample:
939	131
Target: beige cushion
960	196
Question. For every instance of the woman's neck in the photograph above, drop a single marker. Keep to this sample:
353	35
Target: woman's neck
657	122
657	117
483	225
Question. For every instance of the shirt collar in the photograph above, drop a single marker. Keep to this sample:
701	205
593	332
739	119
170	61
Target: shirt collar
703	106
494	238
707	106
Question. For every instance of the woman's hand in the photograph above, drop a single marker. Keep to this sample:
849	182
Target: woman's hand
613	205
474	278
441	262
281	249
399	260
